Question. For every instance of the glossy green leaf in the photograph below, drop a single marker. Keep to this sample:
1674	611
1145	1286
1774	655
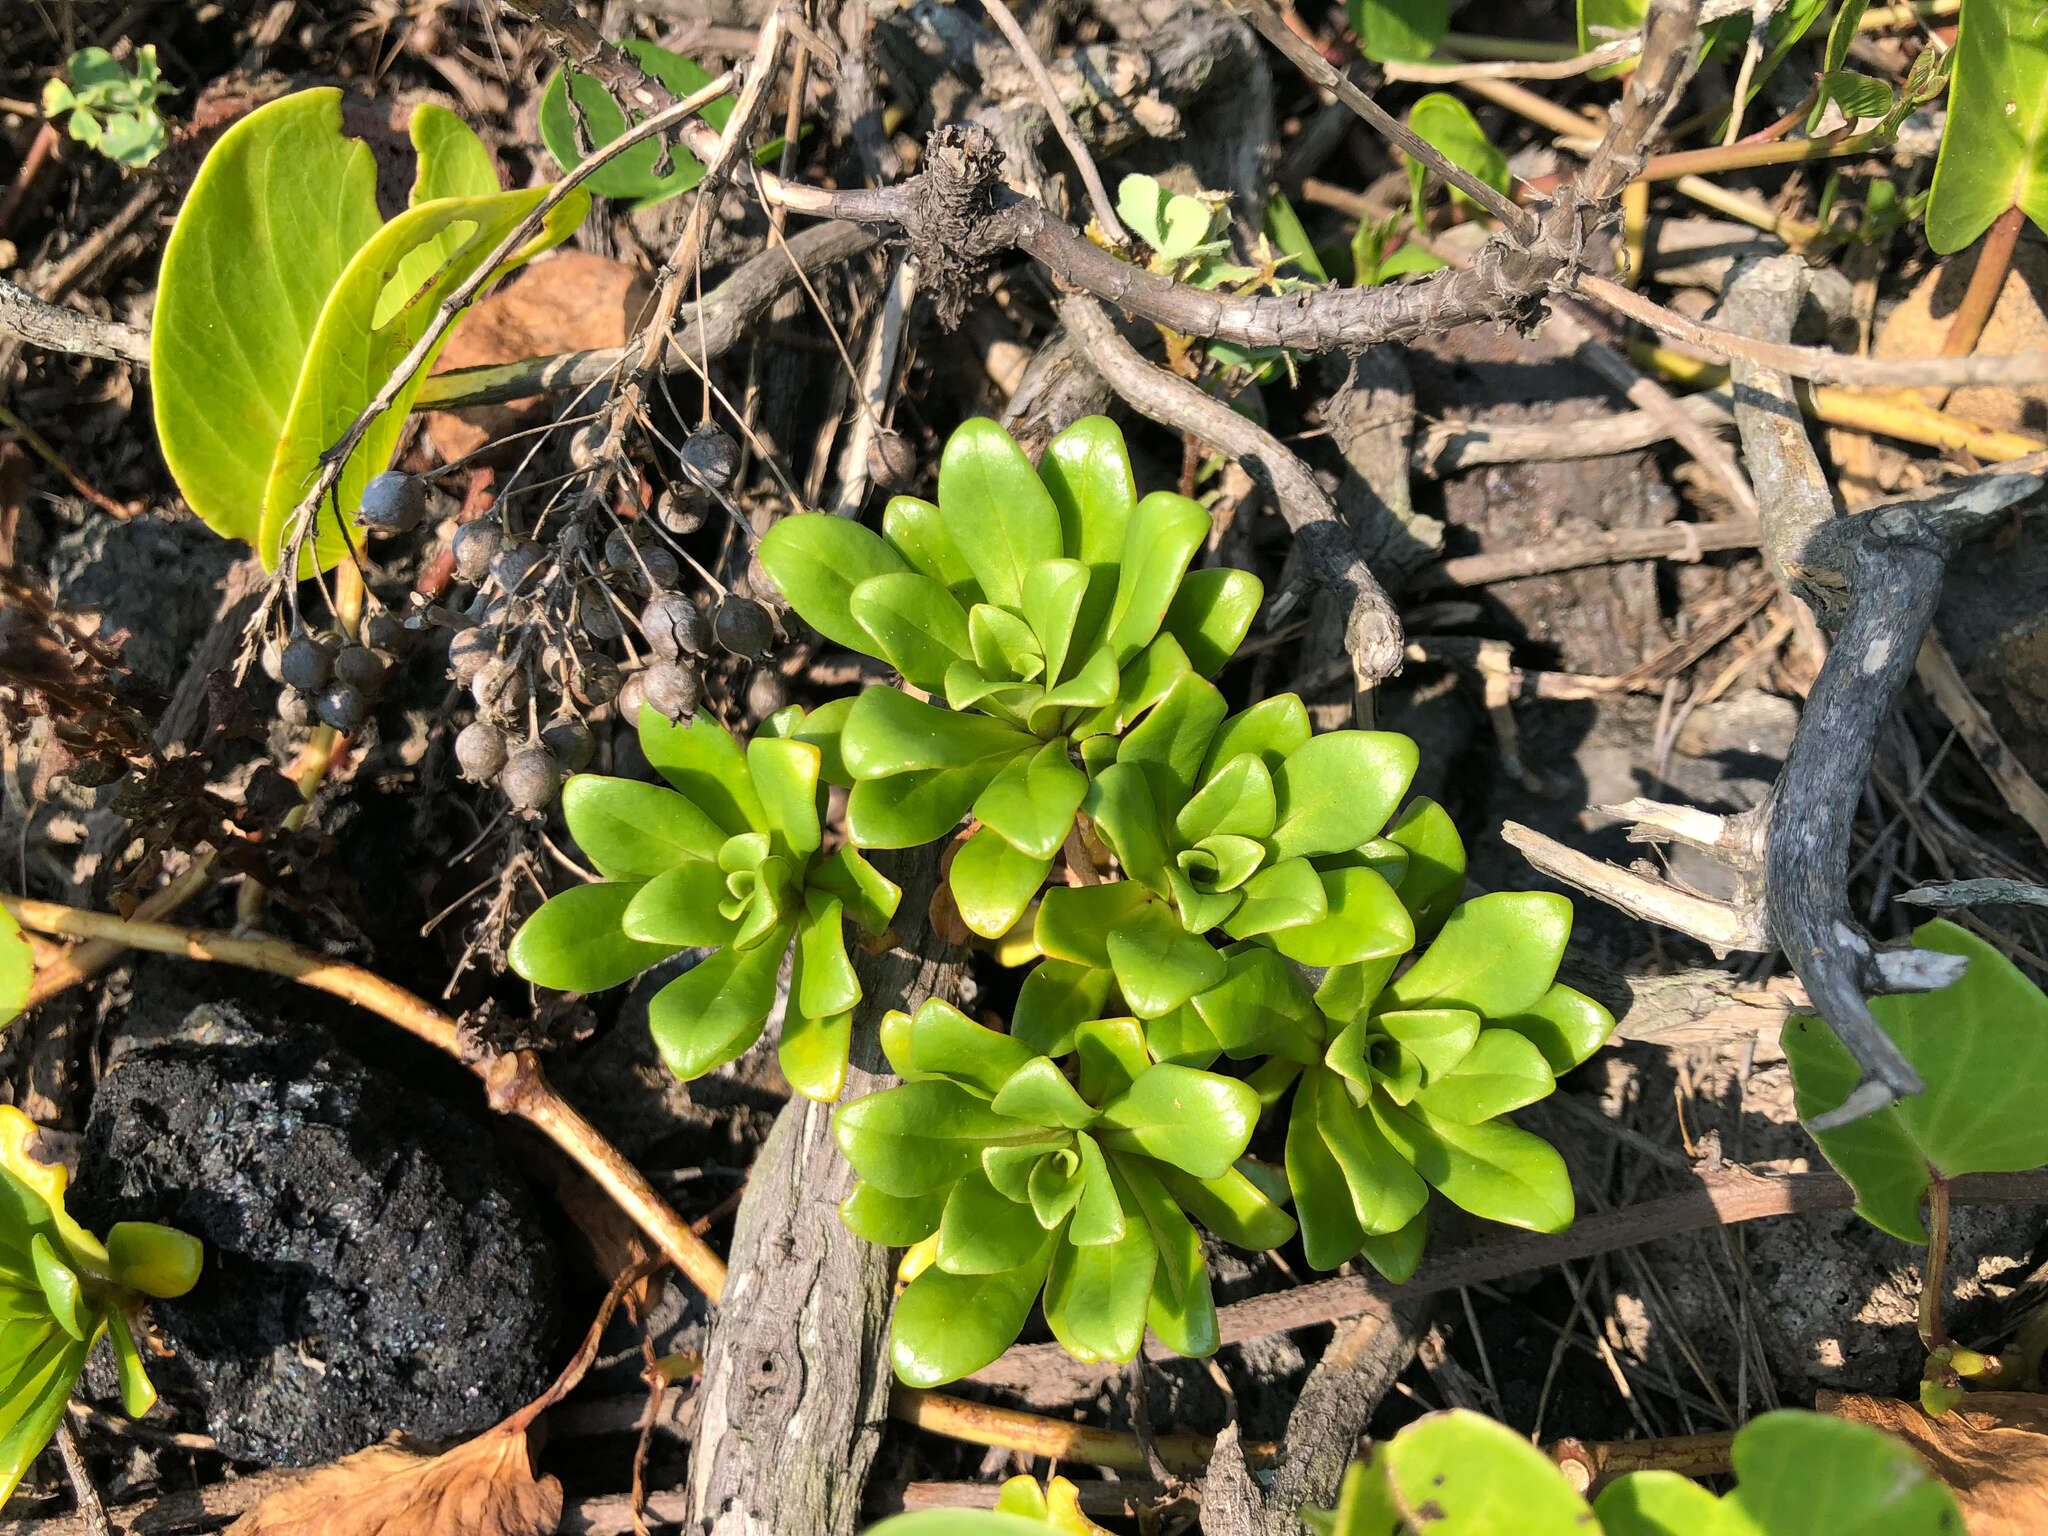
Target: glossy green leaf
826	984
1461	1474
1096	1296
1441	1038
1396	1254
717	1008
1494	1170
1502	1072
681	908
32	1399
1365	921
1798	1472
1197	1121
154	1259
138	1396
822	728
1981	1046
1092	688
1140	683
921	1137
982	1232
820	561
1566	1026
961	1522
1398	29
1039	1092
1003	646
634	831
1053	1186
1434	881
1330	1230
1447	124
1260	1008
1386	1193
1159	965
1099	1213
632	173
919	534
575	942
812	1052
891	1220
1211	614
1237	799
1338	789
992	883
366	329
62	1293
280	205
1496	956
1171	742
910	621
1859	96
1274	729
1057	997
1053	595
1074	921
1365	1505
700	758
943	1042
1126	812
1112	1056
1994	151
1180	1037
1032	801
997	510
1286	895
1659	1503
17	968
948	1326
1087	472
891	733
907	809
870	898
1346	991
1164	533
1231	1206
1183	1308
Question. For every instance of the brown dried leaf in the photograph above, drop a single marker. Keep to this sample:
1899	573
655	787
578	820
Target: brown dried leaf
1992	1451
484	1487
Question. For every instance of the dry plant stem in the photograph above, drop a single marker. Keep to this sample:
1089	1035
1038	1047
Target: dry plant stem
1613	52
984	1424
877	375
1987	282
49	455
300	524
1049	1375
90	1510
1934	1274
1674	541
1591	1467
1938	675
1720	925
514	1081
82	961
1740	157
55	328
1372	631
1049	96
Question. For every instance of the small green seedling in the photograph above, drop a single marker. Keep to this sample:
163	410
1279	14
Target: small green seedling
1022	1509
285	303
1006	1179
1994	151
111	110
1796	1474
61	1291
1045	607
730	858
1379	253
1447	124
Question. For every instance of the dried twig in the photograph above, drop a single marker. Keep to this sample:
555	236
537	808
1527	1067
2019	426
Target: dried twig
1956	894
1049	96
56	328
1937	672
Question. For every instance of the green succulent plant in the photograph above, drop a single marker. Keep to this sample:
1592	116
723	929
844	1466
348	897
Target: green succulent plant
61	1291
730	858
1006	1179
110	109
1044	608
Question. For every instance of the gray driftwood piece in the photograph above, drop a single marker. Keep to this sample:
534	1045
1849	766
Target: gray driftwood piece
796	1373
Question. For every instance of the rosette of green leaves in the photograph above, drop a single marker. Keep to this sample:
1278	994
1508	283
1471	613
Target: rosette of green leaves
730	858
1257	827
1006	1179
1040	609
61	1291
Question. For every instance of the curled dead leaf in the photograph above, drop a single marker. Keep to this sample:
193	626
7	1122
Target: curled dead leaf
484	1487
1992	1451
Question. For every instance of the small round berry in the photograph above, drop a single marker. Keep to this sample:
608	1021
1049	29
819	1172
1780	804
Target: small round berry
343	707
476	545
586	448
307	662
360	668
479	751
571	743
516	560
386	632
681	509
743	627
600	615
672	626
501	690
295	709
469	650
892	462
632	695
670	690
531	778
393	503
596	679
712	456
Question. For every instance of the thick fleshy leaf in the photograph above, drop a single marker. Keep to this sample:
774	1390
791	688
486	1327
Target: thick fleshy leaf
1197	1121
919	535
1096	1296
1236	799
1365	921
156	1260
681	908
1260	1008
1010	1165
907	809
948	1326
1000	516
1126	812
1434	880
969	687
1039	1092
1330	1231
1180	1037
1346	991
1398	29
1386	1193
827	985
891	733
17	969
1183	1310
1462	1474
1289	894
1112	1056
869	897
1002	644
1210	614
1981	1046
575	942
942	1042
138	1395
992	883
1502	1072
1273	729
1032	801
1396	1254
1994	153
1800	1472
921	1137
785	777
812	1053
983	1232
911	622
635	831
1053	594
715	1010
1441	1038
819	561
1232	1207
1075	921
1496	956
1099	1214
1494	1170
1172	741
1338	789
35	1396
1159	965
1092	687
1057	997
700	758
1660	1503
1566	1026
891	1220
1087	471
1140	683
1164	532
1053	1186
